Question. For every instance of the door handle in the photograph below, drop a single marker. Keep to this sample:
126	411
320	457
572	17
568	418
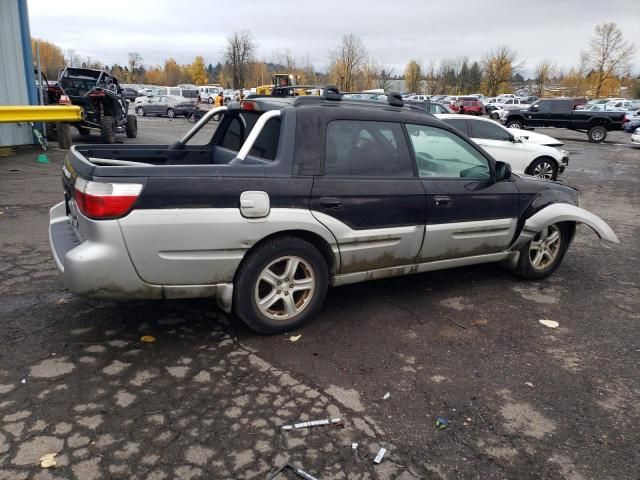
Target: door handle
443	201
331	203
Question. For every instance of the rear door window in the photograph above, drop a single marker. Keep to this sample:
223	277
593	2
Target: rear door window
488	131
459	124
366	149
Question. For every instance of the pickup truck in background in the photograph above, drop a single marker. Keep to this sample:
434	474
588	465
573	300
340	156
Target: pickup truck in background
293	195
562	113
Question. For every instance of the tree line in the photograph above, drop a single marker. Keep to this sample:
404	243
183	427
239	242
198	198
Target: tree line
602	69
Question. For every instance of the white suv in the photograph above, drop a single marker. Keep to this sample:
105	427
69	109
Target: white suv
524	156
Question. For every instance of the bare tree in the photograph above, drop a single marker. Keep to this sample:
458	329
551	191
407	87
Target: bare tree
73	59
413	77
543	73
609	55
239	52
385	76
134	62
347	61
499	65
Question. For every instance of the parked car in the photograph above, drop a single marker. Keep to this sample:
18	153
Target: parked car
184	93
418	98
166	105
130	94
635	137
507	104
438	98
429	107
470	107
208	93
524	157
269	214
618	105
561	113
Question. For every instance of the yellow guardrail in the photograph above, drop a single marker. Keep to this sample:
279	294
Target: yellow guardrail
40	113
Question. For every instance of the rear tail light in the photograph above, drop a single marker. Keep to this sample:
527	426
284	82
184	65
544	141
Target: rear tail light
105	201
64	100
249	106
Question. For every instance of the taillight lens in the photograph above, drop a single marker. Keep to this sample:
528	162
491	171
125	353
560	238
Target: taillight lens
64	100
105	201
248	106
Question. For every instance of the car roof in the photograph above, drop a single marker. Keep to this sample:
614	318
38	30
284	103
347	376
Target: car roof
374	109
467	117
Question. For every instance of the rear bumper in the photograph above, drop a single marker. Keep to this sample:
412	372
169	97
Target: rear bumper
99	265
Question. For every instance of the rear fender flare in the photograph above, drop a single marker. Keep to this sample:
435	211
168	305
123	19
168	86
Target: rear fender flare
563	212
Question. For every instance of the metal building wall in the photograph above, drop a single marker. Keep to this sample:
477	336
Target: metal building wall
16	66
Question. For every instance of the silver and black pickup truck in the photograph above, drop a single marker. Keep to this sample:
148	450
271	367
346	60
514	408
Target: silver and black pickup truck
291	196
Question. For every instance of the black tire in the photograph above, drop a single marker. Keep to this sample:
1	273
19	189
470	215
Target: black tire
542	167
171	113
108	129
84	131
64	135
514	124
597	134
191	118
527	269
131	127
140	111
51	131
247	284
210	100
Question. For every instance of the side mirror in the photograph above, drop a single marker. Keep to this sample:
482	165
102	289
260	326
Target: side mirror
503	171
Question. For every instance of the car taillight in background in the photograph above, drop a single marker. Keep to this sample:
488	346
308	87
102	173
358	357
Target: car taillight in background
105	201
64	100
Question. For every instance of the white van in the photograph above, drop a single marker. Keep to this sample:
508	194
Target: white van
208	92
186	93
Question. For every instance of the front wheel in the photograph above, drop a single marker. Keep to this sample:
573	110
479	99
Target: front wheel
108	129
140	111
514	124
543	167
543	254
597	134
131	127
171	113
192	118
281	285
210	100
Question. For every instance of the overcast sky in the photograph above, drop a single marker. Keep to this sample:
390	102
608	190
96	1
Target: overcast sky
393	32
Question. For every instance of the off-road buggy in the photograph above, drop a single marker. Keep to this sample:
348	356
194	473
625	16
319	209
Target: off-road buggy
102	101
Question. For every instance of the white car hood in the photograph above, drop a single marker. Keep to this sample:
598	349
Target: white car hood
534	137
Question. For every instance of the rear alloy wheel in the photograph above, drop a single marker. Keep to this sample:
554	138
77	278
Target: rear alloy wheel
171	113
281	285
543	167
514	124
543	254
140	111
597	134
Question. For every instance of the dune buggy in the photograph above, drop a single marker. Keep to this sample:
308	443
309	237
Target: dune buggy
101	98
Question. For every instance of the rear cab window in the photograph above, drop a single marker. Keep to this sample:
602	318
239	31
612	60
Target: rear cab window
236	127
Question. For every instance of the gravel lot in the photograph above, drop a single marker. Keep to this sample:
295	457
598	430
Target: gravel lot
205	400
